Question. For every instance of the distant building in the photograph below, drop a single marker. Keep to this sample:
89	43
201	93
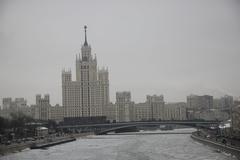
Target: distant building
56	113
125	110
236	102
200	102
14	106
227	101
6	103
43	105
236	120
34	109
43	110
197	105
223	102
175	111
88	96
142	111
151	109
211	115
156	104
20	102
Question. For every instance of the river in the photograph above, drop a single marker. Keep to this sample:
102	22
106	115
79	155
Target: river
126	147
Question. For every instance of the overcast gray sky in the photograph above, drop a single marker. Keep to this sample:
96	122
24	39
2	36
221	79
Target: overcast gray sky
168	47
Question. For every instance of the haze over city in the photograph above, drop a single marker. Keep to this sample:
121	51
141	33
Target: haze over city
173	48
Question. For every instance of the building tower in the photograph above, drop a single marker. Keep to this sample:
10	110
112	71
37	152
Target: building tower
89	94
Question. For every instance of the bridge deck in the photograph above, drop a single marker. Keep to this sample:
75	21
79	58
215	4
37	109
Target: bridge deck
188	123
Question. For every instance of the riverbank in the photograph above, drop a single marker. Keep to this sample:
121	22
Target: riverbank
222	147
7	149
51	142
12	148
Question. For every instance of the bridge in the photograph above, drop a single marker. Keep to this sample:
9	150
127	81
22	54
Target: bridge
105	128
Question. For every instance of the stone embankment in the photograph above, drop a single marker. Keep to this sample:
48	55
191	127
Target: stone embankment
52	142
17	147
234	150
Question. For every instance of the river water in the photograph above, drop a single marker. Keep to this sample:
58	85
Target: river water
126	147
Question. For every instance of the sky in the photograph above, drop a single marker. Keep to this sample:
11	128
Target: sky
168	47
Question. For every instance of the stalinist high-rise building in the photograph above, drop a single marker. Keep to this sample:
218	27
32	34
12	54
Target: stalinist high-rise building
88	95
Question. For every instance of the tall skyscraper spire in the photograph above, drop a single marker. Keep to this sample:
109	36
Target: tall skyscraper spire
85	43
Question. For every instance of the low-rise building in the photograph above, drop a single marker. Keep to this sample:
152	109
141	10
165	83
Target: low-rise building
41	131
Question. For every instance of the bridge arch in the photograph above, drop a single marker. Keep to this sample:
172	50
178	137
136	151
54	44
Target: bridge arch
136	124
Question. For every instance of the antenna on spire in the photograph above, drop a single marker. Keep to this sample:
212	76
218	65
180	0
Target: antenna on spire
85	43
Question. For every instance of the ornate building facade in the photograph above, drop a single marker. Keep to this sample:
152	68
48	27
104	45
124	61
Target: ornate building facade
88	95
